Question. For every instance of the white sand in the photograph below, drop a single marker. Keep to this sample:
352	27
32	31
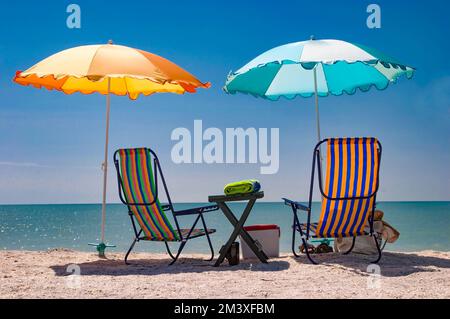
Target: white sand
43	275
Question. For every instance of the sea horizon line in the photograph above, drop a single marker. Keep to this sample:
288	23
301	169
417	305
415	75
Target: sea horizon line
182	203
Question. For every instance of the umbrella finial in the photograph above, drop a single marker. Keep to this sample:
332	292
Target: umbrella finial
312	37
110	42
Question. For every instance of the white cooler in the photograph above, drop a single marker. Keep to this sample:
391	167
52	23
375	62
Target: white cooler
269	238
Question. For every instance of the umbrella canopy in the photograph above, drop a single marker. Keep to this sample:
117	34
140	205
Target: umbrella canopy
125	70
108	69
317	66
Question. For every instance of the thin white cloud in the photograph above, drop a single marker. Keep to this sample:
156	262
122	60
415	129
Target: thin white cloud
21	164
37	165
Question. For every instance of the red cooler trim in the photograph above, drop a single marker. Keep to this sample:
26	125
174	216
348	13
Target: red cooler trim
262	227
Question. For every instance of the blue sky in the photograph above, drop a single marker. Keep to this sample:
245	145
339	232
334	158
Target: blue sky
52	144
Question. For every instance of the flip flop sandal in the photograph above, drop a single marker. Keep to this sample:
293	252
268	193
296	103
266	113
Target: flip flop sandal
324	249
311	249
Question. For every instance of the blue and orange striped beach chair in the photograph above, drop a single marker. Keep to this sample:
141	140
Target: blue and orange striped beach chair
137	174
349	195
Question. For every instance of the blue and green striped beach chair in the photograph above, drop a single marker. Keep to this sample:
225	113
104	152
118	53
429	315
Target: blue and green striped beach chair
137	174
349	195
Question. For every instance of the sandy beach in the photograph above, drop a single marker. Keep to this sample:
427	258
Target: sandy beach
26	274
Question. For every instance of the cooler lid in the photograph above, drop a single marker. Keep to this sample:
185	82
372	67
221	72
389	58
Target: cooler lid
261	227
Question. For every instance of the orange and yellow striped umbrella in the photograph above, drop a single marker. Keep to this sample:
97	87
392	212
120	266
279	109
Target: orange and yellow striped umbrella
91	68
109	69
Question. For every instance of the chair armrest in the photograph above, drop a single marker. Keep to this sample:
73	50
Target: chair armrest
197	210
166	207
296	205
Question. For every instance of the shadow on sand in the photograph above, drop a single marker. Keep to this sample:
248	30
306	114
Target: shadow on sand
392	264
149	267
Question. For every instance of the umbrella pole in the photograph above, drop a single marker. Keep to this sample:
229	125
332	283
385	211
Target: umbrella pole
319	137
101	247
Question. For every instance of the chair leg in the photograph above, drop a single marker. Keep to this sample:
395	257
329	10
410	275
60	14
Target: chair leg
208	238
351	248
293	241
168	250
384	245
212	250
183	243
378	248
295	224
305	243
210	247
129	250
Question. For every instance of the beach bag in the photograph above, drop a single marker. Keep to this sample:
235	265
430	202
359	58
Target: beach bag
363	244
366	244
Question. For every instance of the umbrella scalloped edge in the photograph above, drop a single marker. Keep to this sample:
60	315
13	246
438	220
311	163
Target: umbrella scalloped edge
310	65
59	80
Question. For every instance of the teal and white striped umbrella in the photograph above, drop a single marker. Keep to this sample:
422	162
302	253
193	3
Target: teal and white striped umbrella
316	67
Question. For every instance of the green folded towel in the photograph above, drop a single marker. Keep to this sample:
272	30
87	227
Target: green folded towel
242	187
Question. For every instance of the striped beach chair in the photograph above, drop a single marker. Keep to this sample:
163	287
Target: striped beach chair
349	194
137	174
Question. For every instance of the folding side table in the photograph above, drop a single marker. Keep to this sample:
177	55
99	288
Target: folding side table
238	224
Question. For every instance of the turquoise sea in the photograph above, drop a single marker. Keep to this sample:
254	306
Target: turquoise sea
423	225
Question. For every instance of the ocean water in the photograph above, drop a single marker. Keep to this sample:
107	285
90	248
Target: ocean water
422	225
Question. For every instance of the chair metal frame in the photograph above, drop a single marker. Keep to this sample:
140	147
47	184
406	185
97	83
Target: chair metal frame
296	206
199	211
